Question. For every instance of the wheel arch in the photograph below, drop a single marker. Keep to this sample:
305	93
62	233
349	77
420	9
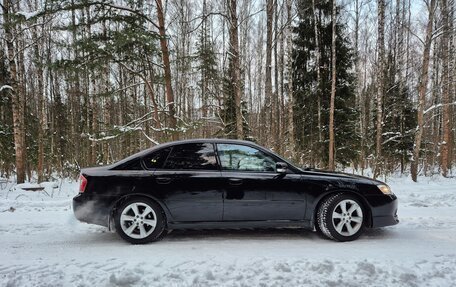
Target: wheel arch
319	201
123	198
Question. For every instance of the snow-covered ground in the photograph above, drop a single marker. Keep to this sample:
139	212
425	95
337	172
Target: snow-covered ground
42	244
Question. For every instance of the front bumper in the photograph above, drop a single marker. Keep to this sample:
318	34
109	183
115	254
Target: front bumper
384	210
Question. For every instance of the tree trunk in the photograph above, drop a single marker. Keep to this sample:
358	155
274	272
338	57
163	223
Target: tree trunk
361	96
167	68
444	152
282	111
400	34
40	103
380	85
77	97
422	87
318	93
16	92
331	160
268	79
275	102
291	131
236	69
204	76
452	82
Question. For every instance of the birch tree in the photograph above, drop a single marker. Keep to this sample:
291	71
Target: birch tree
380	84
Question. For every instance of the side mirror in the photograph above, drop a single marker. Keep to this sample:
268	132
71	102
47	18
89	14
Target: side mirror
281	167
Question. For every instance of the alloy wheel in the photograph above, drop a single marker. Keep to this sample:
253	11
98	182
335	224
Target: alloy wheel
138	220
347	217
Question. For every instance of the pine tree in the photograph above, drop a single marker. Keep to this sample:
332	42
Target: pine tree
399	119
228	112
308	92
105	38
131	41
207	67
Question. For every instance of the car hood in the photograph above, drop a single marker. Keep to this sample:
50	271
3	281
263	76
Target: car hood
341	175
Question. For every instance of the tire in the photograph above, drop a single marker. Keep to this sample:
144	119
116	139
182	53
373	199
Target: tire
140	220
341	217
318	229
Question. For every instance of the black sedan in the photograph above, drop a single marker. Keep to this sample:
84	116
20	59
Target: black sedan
218	183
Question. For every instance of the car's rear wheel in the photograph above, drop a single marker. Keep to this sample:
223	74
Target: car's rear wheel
341	217
140	220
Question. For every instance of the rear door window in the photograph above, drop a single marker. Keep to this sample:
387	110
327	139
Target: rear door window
156	159
193	156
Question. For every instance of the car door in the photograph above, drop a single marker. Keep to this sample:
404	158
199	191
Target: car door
190	183
253	188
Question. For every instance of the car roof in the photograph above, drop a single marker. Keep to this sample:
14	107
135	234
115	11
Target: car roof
211	140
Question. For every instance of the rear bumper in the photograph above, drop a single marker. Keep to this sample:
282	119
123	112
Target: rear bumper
90	210
384	210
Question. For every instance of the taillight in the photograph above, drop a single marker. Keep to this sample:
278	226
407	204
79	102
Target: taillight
82	183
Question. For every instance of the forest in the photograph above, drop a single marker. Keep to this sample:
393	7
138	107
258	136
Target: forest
331	84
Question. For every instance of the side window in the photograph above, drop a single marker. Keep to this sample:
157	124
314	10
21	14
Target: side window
200	156
156	159
244	158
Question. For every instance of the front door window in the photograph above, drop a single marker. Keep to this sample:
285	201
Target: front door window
235	157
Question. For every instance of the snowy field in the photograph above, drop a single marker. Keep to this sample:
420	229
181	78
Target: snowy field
42	244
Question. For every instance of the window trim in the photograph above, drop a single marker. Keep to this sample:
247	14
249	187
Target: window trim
123	166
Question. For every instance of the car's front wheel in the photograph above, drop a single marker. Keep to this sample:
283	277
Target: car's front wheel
140	220
341	217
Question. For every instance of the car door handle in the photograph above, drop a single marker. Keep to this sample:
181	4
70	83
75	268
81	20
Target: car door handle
163	180
235	181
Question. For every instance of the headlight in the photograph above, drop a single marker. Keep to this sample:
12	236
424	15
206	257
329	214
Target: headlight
385	189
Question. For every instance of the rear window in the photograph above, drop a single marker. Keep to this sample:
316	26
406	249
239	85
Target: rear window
194	156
